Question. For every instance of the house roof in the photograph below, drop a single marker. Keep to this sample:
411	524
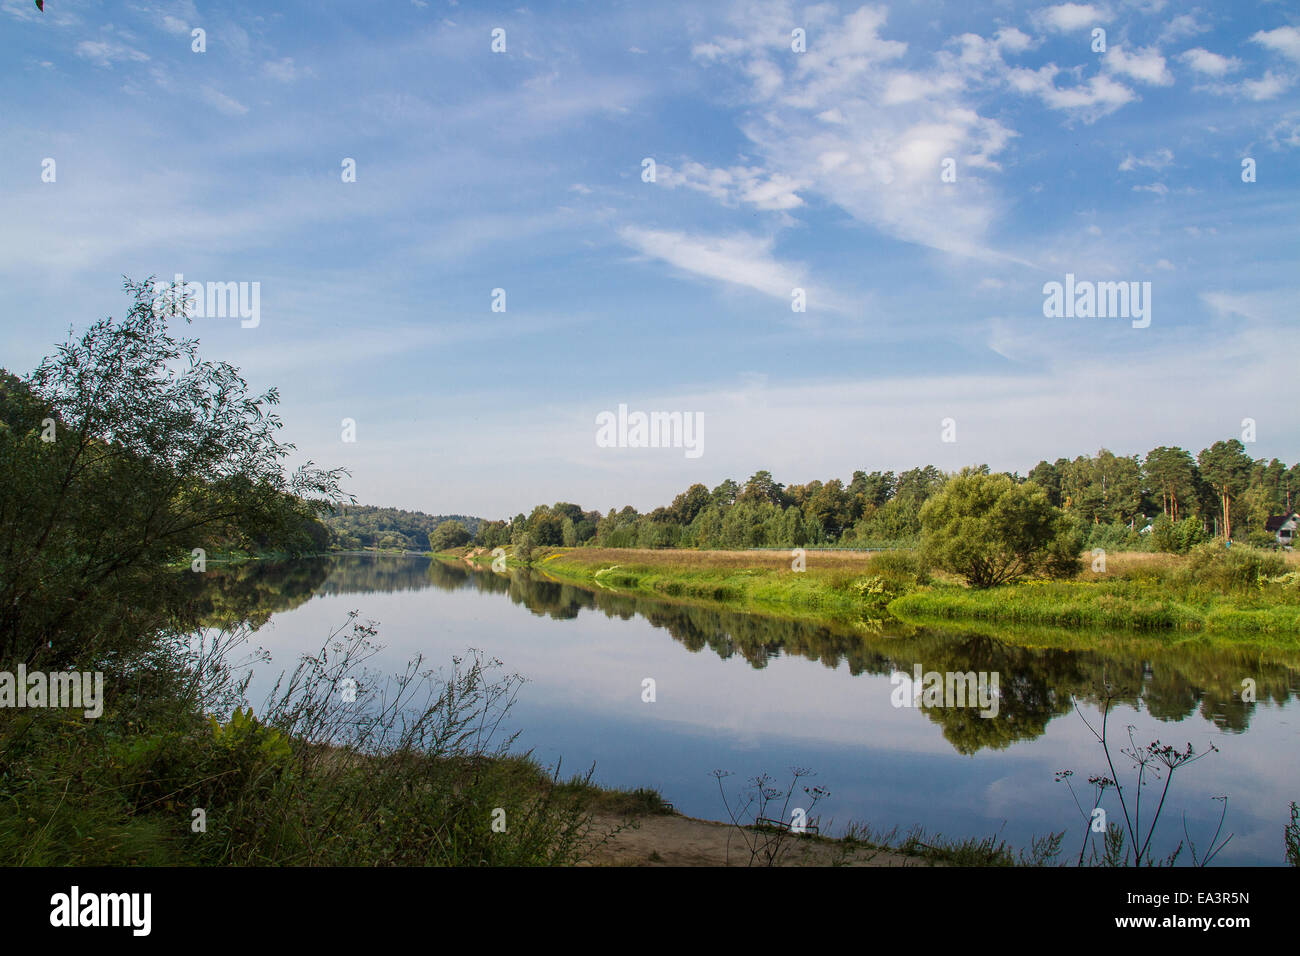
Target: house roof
1275	522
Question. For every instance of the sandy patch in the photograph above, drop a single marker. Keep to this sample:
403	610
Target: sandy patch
674	840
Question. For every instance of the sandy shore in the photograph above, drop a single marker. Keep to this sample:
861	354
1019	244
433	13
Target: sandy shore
675	840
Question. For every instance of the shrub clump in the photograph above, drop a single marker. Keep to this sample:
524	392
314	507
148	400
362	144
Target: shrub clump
993	530
1236	568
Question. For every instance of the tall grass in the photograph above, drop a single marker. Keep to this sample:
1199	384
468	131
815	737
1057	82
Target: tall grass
337	767
1236	590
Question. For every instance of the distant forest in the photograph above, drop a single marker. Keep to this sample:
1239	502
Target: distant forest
1184	499
364	526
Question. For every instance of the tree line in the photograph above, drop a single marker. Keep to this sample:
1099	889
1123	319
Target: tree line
1184	498
355	527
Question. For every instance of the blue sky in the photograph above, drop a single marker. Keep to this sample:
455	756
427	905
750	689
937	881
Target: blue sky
775	169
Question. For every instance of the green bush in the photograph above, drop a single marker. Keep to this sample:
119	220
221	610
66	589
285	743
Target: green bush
1190	533
903	565
992	530
1259	538
1236	568
1164	536
1175	537
448	535
1114	537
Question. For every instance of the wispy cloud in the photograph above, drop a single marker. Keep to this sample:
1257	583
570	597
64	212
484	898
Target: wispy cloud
742	260
104	53
223	103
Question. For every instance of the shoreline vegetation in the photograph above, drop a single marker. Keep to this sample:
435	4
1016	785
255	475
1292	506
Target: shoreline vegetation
1141	593
126	463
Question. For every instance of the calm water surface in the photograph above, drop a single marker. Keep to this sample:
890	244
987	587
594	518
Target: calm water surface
752	694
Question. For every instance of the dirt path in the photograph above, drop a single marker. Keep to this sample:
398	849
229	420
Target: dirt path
674	840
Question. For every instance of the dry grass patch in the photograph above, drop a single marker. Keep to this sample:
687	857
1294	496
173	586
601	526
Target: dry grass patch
681	559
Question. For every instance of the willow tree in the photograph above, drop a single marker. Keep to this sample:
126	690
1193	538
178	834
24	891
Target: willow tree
123	457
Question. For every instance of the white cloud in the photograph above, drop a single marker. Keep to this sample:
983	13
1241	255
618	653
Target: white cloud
1144	64
738	259
843	121
1286	132
282	70
906	87
1158	159
1258	307
1098	97
1066	17
1180	27
1009	38
1284	40
222	103
1209	64
107	52
1267	87
1055	401
735	185
178	16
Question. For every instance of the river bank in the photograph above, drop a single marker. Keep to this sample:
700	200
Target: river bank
1138	592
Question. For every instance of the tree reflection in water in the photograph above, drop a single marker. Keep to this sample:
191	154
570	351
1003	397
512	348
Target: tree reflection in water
1170	677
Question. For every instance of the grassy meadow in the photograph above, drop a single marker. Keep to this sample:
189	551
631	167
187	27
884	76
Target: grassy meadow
1241	593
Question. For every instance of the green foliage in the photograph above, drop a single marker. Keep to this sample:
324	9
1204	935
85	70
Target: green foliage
1108	496
1189	533
1238	568
1060	558
410	772
492	534
1116	536
991	530
1226	467
119	456
1106	489
363	526
876	592
899	519
1164	537
1048	604
448	535
903	565
243	731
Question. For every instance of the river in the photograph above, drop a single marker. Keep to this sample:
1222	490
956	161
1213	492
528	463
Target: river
752	694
